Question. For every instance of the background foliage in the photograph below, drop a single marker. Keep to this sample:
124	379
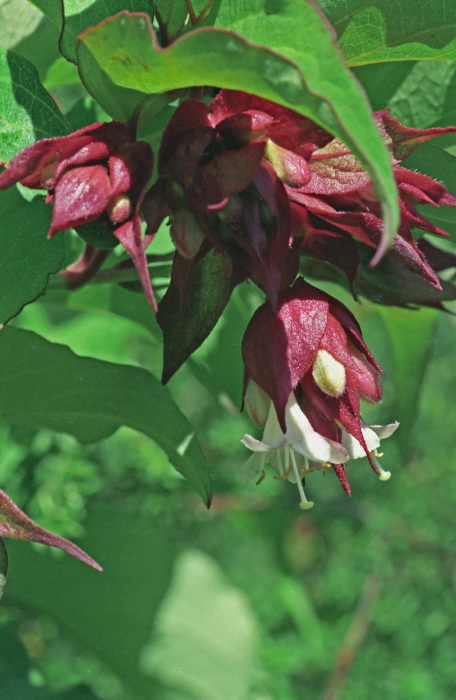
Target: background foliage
355	598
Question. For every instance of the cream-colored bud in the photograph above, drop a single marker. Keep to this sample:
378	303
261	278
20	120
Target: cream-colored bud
329	374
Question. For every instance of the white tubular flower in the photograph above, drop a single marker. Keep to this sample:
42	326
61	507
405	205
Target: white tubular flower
291	452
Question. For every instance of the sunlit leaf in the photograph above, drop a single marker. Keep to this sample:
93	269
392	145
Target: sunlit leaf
369	32
310	76
27	110
80	14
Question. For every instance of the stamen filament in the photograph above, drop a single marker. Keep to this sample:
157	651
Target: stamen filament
305	504
383	475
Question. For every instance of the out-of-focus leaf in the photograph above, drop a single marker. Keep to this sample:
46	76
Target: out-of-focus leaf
191	307
27	112
26	20
16	524
46	385
392	31
27	257
80	14
3	565
215	649
411	335
138	553
310	77
53	9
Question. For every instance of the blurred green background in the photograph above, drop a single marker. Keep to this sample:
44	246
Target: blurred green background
253	598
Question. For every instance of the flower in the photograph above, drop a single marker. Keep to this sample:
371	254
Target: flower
339	202
218	180
309	360
290	452
94	173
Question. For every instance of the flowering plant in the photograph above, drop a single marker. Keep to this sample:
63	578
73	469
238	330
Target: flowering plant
266	176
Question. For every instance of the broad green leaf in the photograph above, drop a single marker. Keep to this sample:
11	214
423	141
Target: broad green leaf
53	9
388	30
16	524
47	385
411	334
3	565
186	318
27	257
80	14
427	96
119	102
26	20
111	614
215	648
27	111
310	77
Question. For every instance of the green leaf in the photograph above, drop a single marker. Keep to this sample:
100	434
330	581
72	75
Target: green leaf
53	9
216	647
3	566
411	335
26	20
310	77
47	385
138	553
27	111
386	30
119	102
80	14
27	257
187	317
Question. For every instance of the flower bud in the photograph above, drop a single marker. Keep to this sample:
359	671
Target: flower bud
185	233
329	374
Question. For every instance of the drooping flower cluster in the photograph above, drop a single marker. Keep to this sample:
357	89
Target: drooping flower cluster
264	187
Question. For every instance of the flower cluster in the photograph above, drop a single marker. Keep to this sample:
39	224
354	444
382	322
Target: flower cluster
264	187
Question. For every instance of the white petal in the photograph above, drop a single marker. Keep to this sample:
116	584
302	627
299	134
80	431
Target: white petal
304	439
259	446
252	467
384	431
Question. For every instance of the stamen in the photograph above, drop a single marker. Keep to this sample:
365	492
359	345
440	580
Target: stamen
383	475
305	504
262	475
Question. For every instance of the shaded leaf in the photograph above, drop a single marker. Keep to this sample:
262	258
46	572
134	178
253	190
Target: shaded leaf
46	385
28	112
53	9
191	307
16	524
139	552
310	77
27	257
3	566
388	31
